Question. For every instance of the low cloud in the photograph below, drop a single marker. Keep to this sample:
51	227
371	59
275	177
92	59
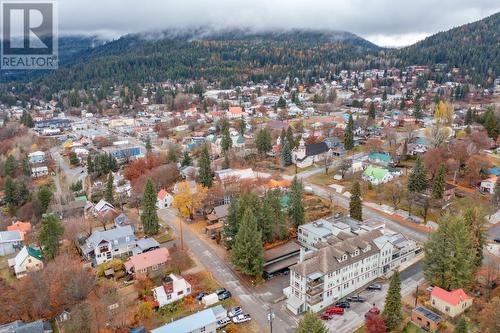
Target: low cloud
385	22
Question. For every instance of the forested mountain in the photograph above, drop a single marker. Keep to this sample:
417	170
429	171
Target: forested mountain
234	57
474	47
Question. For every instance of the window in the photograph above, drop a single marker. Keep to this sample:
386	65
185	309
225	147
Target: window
180	293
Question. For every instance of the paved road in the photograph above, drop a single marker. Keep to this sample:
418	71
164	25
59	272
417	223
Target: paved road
223	273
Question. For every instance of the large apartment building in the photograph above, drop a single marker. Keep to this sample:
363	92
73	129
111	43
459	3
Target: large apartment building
338	267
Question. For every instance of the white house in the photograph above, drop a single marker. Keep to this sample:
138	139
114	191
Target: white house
40	171
200	322
36	157
164	199
377	175
488	185
173	288
27	260
103	246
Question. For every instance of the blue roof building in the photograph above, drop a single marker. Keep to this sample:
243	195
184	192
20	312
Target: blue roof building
203	321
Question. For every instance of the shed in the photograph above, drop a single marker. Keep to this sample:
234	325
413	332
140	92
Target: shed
210	299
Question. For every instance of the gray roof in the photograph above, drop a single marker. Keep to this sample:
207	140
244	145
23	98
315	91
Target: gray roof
119	233
10	236
20	327
147	243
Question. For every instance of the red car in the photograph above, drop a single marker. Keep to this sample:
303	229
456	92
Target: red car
334	311
326	316
372	312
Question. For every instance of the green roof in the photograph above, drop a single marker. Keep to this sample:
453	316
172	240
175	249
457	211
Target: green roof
81	198
377	173
380	156
34	253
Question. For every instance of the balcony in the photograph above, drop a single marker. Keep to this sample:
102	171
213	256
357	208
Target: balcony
314	290
313	300
315	283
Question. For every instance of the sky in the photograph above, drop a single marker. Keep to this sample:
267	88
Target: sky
383	22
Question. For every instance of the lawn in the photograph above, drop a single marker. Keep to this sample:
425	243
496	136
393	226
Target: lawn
411	328
290	170
164	237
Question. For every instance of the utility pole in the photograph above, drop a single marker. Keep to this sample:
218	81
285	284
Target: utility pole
180	228
416	297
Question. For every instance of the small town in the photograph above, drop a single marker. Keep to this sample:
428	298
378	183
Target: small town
365	200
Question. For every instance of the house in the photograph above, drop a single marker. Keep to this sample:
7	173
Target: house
173	288
164	199
101	208
377	175
10	242
22	227
36	157
148	262
204	321
451	303
19	326
380	158
218	214
103	246
488	185
306	155
40	171
235	112
27	260
449	192
123	220
280	258
147	244
426	319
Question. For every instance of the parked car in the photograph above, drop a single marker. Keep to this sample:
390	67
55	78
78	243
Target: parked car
223	322
241	318
333	310
356	298
200	296
225	295
326	316
220	291
372	312
344	305
375	286
497	240
430	288
235	311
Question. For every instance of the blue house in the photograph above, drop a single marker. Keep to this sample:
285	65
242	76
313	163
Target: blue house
203	321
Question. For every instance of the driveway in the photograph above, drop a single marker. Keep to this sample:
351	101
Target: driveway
222	272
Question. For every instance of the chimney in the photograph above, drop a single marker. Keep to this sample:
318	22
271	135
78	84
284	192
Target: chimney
302	254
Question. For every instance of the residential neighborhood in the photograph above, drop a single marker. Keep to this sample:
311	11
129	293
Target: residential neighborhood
351	197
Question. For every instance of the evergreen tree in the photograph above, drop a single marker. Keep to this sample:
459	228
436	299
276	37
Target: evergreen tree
418	110
263	141
10	191
417	181
26	166
290	138
10	166
90	164
468	117
311	324
448	261
50	236
186	159
73	159
491	123
439	183
349	134
108	196
461	327
231	224
281	102
384	95
205	173
226	142
286	155
149	147
476	222
392	309
226	164
247	252
371	111
242	126
112	164
296	206
149	217
22	193
355	205
44	196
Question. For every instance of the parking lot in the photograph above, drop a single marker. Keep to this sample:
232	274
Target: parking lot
354	317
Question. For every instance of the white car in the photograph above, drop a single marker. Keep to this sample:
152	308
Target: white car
235	312
241	318
223	322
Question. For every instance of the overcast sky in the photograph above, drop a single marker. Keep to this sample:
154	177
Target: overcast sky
384	22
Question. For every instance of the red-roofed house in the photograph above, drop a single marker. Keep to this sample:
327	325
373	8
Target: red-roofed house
164	199
148	262
452	303
22	227
235	112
